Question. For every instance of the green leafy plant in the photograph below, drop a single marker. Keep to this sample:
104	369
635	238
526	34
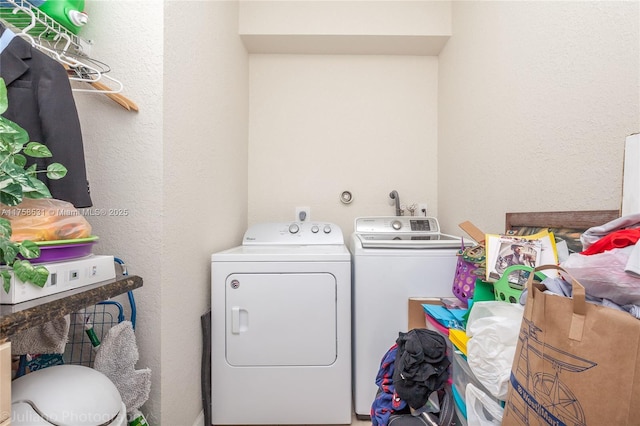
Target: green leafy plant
18	181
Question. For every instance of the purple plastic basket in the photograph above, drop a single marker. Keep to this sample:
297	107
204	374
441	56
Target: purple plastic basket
57	253
464	281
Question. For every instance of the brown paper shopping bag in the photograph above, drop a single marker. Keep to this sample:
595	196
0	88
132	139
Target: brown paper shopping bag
576	363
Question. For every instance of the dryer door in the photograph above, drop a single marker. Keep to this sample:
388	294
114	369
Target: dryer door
281	319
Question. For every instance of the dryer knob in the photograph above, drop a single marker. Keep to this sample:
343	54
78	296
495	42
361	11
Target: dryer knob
293	228
327	229
315	229
396	224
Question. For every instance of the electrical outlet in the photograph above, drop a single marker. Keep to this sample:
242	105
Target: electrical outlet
303	214
422	209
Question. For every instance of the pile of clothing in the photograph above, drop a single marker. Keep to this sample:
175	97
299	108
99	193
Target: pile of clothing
609	265
412	380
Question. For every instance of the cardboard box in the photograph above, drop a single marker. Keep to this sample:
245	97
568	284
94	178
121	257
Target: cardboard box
416	312
631	176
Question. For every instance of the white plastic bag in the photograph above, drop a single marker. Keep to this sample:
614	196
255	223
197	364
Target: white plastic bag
603	275
493	328
492	308
481	410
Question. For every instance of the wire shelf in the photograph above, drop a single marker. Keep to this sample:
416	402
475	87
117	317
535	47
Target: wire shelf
43	28
53	39
88	327
100	318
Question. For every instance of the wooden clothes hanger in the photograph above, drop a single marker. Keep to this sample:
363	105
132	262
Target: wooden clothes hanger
117	97
85	75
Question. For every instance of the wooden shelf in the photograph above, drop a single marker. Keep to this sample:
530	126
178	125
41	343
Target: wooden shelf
19	317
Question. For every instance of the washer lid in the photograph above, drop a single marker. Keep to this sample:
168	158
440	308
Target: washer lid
409	241
66	395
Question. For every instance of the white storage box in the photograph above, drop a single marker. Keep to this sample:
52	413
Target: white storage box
63	276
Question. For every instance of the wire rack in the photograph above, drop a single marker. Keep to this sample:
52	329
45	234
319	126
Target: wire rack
89	326
50	37
98	319
21	15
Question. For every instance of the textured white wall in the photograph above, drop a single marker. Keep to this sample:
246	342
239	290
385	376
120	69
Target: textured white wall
322	124
535	101
179	166
205	182
124	157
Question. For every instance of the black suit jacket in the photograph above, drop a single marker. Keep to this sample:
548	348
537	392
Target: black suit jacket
41	101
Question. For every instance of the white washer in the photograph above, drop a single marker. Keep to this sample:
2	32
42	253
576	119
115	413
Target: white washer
281	327
394	258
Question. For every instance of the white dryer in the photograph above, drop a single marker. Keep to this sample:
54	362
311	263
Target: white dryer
394	258
281	327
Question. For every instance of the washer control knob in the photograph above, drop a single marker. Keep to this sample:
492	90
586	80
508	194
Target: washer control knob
315	229
396	224
326	229
293	228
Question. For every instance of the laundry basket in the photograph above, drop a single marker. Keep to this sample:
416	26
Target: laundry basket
88	326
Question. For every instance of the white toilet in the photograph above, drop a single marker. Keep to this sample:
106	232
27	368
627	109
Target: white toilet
66	395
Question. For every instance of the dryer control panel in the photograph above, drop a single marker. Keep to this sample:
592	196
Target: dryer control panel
294	233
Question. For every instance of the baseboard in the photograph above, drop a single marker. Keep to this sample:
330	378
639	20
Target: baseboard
200	420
